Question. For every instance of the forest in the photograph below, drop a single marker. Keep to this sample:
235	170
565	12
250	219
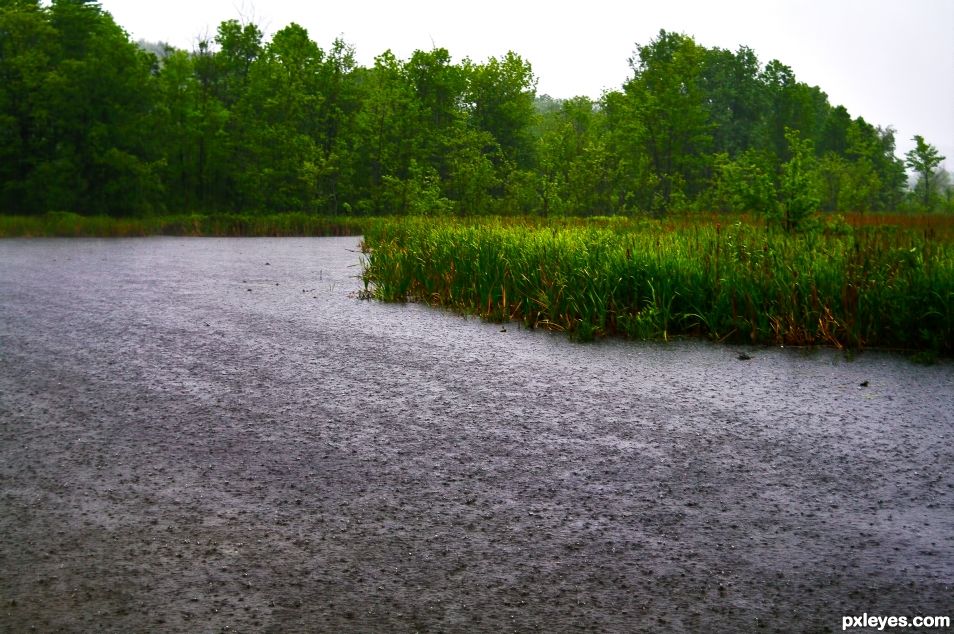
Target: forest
96	124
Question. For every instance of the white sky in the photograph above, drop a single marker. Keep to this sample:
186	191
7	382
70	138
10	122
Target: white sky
889	61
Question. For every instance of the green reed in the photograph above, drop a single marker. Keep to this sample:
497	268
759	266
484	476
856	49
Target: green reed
72	225
837	285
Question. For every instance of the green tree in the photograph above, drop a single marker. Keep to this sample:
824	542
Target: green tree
28	55
276	125
92	123
500	98
735	99
337	115
438	88
212	145
574	166
791	105
835	132
623	135
798	189
472	173
866	176
743	183
77	96
945	189
178	121
924	159
674	126
239	47
386	127
890	170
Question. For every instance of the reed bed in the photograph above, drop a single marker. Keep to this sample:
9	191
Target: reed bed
838	285
216	225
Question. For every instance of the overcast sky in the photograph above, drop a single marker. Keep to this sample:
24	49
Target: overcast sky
889	61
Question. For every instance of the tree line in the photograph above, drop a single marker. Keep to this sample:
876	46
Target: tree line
94	123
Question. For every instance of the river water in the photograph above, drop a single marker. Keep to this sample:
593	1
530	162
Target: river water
218	433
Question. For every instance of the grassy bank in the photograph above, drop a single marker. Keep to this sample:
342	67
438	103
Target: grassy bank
847	283
225	225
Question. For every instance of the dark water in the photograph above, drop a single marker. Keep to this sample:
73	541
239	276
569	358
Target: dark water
389	467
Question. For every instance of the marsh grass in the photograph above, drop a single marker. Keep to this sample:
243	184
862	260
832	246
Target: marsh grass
854	281
842	284
59	224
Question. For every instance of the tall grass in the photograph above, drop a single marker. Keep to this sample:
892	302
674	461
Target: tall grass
73	225
838	285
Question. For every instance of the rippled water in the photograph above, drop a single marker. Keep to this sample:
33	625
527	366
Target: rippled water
593	482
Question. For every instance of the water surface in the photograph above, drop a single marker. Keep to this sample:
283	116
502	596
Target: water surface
201	433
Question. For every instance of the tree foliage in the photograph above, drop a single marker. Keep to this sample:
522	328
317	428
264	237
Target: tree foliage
924	159
75	97
92	123
799	184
